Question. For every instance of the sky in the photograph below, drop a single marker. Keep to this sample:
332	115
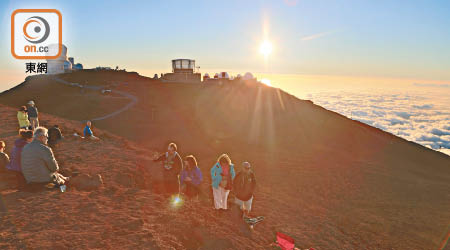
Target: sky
352	38
357	57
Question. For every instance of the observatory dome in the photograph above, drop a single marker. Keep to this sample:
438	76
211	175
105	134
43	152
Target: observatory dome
60	64
248	76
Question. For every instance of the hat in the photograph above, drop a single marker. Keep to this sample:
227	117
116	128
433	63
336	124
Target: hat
246	164
31	102
23	108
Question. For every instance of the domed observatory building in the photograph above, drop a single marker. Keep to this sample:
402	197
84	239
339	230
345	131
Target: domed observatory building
183	70
61	64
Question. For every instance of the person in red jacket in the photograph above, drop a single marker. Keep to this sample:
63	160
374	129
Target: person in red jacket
244	185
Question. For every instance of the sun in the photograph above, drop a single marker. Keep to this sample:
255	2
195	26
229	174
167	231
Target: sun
265	48
266	82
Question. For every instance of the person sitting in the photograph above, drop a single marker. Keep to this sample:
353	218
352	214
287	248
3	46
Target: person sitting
88	131
172	166
191	177
14	166
4	158
38	162
33	115
222	175
22	116
243	186
54	135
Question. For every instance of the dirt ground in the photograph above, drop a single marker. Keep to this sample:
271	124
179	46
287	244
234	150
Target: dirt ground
327	181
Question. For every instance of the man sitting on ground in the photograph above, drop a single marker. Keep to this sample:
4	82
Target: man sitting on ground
88	131
38	162
54	135
4	158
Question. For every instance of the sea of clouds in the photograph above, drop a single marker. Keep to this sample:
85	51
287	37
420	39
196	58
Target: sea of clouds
420	114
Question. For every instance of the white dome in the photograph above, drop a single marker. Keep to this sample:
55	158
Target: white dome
248	76
53	49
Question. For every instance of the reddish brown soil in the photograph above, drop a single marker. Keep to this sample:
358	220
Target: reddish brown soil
323	179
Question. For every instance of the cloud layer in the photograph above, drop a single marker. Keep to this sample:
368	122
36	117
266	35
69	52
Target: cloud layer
421	116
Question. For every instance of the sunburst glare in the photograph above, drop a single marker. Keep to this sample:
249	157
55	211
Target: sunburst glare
266	82
265	48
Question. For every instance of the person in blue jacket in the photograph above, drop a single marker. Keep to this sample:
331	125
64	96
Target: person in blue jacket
88	131
191	177
222	175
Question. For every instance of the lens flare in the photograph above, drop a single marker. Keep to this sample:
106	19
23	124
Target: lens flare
266	82
265	48
176	201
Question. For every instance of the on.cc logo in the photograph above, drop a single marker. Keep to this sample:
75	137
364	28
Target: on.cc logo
36	34
39	26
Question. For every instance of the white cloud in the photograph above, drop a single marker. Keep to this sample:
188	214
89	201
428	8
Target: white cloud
369	122
422	116
435	85
439	132
360	113
429	138
395	121
378	113
317	35
425	106
404	115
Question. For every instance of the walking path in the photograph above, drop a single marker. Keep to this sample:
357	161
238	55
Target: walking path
133	99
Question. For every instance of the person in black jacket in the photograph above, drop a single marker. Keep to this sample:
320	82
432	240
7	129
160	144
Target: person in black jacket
54	135
244	185
33	114
172	166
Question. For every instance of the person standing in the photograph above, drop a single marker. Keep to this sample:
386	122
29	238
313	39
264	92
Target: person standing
191	177
172	166
22	117
222	175
243	186
33	115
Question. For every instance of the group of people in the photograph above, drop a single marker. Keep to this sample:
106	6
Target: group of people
32	160
28	120
28	117
185	177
